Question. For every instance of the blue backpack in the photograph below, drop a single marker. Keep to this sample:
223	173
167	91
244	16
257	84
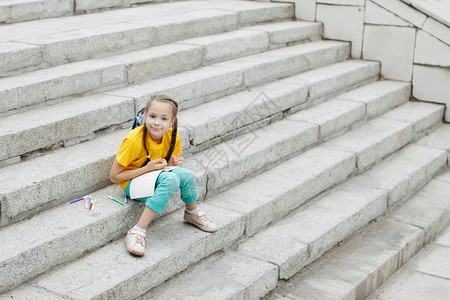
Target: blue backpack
139	119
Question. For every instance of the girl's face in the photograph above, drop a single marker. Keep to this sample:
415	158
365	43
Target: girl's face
159	119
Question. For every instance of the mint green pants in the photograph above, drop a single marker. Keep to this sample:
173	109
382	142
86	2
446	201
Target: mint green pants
166	185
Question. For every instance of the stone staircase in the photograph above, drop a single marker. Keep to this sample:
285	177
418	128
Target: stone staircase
295	148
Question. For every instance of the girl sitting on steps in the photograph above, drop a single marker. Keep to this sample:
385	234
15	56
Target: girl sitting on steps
149	148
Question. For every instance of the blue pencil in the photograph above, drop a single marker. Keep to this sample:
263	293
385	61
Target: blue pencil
75	200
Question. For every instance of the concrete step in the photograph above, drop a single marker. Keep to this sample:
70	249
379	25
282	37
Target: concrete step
370	258
42	86
246	278
91	75
326	168
57	41
338	212
405	122
24	57
31	121
12	11
218	118
90	6
160	61
212	82
425	276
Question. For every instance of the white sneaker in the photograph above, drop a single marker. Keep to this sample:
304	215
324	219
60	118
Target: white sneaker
135	241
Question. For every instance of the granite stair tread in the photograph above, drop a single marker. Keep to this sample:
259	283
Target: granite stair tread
66	39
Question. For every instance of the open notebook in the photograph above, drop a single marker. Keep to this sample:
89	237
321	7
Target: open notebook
144	185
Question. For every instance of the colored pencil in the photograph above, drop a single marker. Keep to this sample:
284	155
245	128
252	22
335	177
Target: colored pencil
75	200
115	200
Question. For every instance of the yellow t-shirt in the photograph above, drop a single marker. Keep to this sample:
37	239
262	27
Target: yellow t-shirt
132	154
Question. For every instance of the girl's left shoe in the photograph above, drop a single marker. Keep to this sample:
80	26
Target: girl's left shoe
201	220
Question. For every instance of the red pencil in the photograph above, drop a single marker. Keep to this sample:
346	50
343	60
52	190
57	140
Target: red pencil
90	206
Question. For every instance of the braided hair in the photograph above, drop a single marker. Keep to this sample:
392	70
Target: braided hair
173	138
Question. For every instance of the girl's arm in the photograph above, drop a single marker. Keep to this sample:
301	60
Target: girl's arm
119	174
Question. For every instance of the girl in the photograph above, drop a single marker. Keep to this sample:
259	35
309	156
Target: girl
149	148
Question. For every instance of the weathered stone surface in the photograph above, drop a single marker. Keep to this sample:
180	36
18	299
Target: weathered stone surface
18	55
314	229
225	277
431	51
420	115
50	125
393	47
428	210
404	172
404	11
440	138
86	5
97	41
190	24
413	285
380	96
290	32
188	88
368	260
345	23
231	44
229	113
375	14
430	84
373	141
338	78
66	80
323	168
159	61
20	33
265	246
13	11
444	238
437	29
249	152
437	10
31	292
333	116
288	61
261	12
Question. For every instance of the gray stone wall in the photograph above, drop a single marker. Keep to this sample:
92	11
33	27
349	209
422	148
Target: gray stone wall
409	37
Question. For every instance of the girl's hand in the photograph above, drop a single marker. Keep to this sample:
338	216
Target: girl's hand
176	161
156	164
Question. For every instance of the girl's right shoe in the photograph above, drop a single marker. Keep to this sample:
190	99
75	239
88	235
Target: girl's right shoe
135	241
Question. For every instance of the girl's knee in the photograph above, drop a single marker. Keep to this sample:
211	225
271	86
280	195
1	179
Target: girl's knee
169	180
185	175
